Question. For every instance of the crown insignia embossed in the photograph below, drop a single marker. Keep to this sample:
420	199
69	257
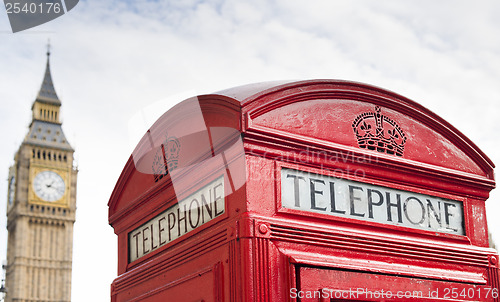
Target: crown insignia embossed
166	158
375	131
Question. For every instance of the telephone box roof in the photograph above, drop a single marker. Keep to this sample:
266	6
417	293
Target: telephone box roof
330	116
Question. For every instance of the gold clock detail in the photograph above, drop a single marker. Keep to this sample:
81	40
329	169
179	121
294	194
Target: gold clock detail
49	186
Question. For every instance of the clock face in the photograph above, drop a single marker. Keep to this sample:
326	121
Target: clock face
49	186
12	189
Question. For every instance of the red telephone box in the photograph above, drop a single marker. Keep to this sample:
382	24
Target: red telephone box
303	191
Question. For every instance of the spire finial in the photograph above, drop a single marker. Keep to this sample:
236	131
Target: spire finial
48	47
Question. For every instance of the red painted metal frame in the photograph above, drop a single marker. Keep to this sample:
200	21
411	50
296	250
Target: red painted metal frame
260	251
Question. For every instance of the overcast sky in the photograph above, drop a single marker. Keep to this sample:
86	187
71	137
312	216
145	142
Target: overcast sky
117	65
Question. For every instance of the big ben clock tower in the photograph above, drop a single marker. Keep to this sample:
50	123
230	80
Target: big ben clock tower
41	206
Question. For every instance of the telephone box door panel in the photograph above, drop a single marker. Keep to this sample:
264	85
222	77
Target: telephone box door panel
205	284
333	285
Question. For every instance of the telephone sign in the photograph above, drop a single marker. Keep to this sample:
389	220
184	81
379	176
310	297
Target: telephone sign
341	197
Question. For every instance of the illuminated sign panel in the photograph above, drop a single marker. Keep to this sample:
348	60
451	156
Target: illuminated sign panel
178	220
346	198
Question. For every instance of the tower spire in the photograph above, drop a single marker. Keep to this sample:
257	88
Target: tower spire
45	128
47	93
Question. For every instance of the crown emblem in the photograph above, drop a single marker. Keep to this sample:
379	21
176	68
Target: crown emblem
376	131
166	158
